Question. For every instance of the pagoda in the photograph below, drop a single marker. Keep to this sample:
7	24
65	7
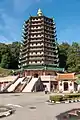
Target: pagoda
39	51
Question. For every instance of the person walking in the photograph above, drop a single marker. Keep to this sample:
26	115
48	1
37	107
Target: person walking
46	90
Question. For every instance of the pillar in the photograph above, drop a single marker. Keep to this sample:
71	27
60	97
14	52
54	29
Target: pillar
49	86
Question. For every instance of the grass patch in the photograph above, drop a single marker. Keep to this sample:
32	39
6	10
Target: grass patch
5	72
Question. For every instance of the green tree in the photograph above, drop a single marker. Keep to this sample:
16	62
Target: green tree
5	61
9	55
63	51
14	52
73	59
3	50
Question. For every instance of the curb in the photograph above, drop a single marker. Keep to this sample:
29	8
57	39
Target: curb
66	102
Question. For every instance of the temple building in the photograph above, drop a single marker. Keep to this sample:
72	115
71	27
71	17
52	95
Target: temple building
39	57
39	52
39	60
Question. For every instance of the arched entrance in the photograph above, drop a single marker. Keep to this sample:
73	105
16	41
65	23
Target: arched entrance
35	75
65	86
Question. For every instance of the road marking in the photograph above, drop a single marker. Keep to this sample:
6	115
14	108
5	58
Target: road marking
14	105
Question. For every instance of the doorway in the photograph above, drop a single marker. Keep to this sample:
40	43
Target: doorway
65	86
36	75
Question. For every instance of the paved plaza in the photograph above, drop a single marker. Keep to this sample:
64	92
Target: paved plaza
23	103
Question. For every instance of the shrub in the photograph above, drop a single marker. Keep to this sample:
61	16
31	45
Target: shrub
56	98
65	97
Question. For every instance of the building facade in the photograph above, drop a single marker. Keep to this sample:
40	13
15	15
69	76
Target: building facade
39	47
67	82
39	55
39	59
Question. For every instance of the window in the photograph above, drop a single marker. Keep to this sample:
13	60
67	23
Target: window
60	84
70	84
50	21
35	61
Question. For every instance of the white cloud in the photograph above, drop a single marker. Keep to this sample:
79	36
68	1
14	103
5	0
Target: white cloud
3	39
10	28
21	6
10	23
69	34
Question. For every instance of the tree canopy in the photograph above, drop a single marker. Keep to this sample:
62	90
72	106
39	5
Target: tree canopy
69	56
9	55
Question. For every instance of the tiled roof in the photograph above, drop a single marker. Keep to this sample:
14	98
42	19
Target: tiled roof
41	67
65	76
54	68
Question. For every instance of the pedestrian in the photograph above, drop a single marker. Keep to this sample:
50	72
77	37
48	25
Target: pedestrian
46	90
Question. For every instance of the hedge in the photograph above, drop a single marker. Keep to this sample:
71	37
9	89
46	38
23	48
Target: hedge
56	98
64	97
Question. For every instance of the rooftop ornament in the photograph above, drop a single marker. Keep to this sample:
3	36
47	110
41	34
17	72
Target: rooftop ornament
53	18
39	13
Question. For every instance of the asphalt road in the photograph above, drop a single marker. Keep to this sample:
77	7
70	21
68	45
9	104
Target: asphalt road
33	106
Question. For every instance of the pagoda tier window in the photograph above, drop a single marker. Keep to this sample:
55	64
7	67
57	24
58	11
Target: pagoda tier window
35	61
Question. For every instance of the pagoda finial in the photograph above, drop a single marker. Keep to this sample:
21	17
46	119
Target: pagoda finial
53	18
39	13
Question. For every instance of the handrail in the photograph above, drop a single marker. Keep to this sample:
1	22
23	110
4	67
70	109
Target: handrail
16	87
26	84
15	80
18	84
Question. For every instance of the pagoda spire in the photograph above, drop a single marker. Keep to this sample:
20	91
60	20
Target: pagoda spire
39	13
